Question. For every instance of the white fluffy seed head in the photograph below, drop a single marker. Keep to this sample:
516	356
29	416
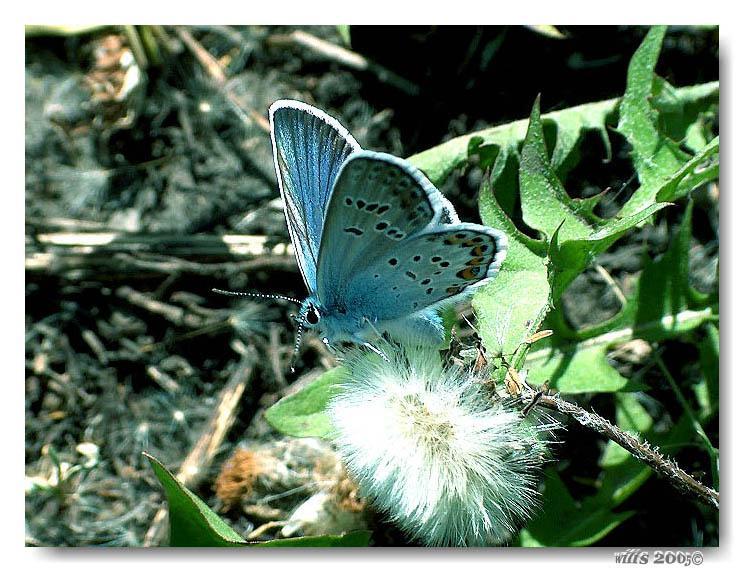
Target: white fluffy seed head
430	449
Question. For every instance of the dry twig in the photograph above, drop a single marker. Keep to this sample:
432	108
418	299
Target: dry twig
79	255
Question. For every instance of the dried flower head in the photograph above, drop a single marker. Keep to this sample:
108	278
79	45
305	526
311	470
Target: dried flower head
431	449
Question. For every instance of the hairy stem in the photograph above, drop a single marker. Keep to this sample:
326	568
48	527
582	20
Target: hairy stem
665	467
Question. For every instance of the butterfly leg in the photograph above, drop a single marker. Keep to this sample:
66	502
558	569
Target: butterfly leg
376	351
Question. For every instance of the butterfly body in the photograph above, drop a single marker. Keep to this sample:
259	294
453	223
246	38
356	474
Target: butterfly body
350	323
379	247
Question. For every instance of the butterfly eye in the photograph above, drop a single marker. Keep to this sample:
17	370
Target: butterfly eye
313	317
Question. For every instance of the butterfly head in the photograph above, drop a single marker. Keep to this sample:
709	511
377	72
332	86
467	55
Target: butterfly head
311	317
334	325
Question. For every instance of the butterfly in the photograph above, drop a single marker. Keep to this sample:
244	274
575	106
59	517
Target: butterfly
380	249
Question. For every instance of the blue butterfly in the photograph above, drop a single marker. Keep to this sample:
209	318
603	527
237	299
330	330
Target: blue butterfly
379	247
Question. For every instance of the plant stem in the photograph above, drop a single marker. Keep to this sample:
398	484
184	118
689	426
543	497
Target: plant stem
643	451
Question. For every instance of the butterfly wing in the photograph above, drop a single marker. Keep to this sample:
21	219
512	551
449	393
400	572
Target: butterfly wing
378	200
309	148
392	245
439	265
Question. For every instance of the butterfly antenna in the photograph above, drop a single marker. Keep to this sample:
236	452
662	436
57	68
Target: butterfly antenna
297	342
257	295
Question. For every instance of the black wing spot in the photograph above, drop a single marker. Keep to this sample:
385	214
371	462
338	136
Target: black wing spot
411	275
435	259
382	209
461	235
382	225
429	290
426	281
371	207
376	276
393	262
360	203
349	201
354	231
437	272
444	264
416	258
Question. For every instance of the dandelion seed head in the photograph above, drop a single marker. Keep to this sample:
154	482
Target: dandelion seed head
429	448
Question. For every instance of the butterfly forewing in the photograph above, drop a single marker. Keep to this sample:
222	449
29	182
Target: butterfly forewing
309	149
378	202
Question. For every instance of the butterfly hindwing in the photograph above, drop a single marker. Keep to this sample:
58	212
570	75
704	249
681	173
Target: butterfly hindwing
379	201
441	264
309	148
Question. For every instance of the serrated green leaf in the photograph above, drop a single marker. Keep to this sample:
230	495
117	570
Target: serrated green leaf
638	119
571	124
701	168
302	414
575	361
544	203
577	235
504	325
571	257
657	159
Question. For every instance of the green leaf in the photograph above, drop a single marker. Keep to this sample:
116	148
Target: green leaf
659	308
575	370
544	203
653	154
707	389
623	474
302	414
344	31
566	523
663	288
539	271
352	539
505	325
194	524
571	124
657	159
